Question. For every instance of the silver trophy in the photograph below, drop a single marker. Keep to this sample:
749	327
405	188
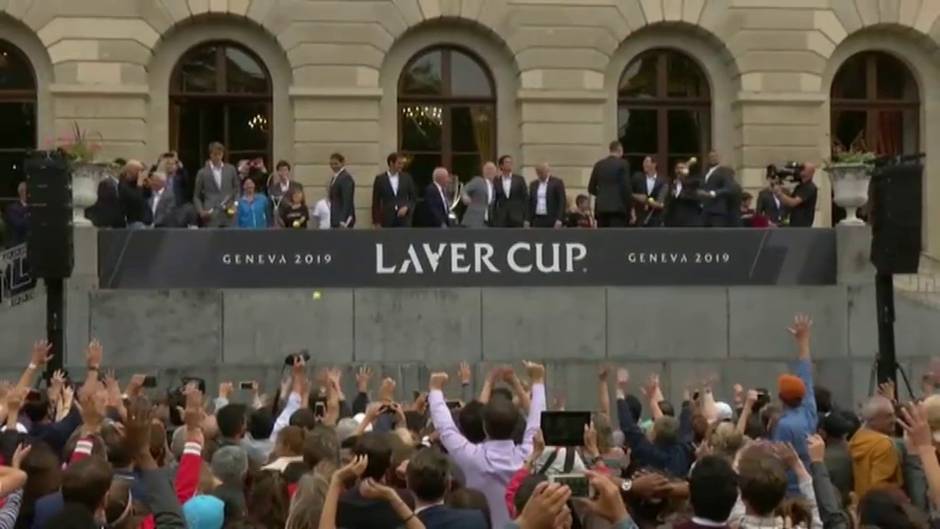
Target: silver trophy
458	196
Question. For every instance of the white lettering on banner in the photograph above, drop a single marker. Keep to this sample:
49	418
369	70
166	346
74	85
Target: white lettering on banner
678	258
239	259
477	258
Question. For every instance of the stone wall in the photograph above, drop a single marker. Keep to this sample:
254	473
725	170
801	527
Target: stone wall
335	64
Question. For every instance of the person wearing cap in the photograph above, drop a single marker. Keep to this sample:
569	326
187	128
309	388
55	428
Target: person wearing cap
799	417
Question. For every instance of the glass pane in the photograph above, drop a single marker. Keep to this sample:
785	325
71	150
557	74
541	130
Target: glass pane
11	173
198	71
19	125
685	78
15	71
423	76
472	129
466	166
848	130
894	79
249	126
850	80
637	129
420	166
640	78
467	78
688	131
896	132
244	74
421	127
200	123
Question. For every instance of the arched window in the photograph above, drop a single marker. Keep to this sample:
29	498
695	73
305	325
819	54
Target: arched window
18	116
875	105
446	113
220	91
663	109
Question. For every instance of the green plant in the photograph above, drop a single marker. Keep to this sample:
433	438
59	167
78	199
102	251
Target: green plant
79	147
851	158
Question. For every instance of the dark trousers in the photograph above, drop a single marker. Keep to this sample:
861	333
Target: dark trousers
543	221
716	220
611	220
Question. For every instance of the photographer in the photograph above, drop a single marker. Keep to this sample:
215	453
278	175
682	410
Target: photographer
802	202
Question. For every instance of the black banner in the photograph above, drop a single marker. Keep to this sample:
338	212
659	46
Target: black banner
155	259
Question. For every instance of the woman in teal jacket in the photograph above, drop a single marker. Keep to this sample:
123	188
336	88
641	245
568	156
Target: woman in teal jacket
252	208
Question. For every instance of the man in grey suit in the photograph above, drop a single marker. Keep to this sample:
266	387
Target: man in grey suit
478	196
217	189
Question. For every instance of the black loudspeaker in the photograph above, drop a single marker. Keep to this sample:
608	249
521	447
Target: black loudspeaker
49	247
896	218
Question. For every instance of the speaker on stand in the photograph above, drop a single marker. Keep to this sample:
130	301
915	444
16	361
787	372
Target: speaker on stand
49	246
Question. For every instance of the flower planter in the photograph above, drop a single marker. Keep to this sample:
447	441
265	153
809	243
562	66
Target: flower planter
85	179
850	189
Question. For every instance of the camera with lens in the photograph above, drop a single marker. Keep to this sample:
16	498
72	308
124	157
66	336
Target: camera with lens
788	172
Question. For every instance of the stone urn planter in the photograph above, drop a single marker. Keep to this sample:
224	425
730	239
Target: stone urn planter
850	189
85	179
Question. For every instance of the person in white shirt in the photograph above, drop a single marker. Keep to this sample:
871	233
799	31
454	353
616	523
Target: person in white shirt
548	202
321	212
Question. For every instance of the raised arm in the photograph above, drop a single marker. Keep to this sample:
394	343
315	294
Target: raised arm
603	391
37	360
746	411
654	395
533	422
466	388
459	448
914	422
801	331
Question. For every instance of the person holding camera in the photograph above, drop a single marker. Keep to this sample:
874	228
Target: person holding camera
802	202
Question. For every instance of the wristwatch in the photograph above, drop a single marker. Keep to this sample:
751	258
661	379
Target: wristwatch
626	485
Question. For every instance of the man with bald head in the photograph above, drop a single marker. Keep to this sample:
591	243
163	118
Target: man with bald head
435	198
802	202
478	196
547	199
875	459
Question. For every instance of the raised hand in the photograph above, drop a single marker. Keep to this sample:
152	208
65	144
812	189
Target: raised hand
623	378
40	354
363	377
352	471
438	380
914	421
387	389
535	371
22	450
226	389
590	441
801	330
602	371
816	448
464	374
546	505
94	354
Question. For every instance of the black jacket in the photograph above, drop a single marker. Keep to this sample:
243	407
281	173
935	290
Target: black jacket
720	182
510	212
107	211
437	207
646	216
386	203
767	206
357	512
610	183
134	203
342	205
555	199
683	209
442	517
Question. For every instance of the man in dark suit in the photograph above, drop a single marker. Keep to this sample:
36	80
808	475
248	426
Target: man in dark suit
512	196
649	195
341	194
769	205
428	477
715	188
435	198
610	185
355	511
683	208
547	200
280	189
107	211
177	178
131	192
162	203
393	195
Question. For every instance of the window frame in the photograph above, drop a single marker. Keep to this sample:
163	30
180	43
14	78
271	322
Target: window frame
178	98
447	102
662	103
871	104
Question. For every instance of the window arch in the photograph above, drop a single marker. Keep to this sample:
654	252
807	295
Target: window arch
663	109
18	115
221	91
446	113
875	105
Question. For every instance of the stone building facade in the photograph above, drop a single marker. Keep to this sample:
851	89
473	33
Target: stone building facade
333	78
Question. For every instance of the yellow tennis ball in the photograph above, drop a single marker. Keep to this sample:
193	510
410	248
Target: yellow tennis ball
317	295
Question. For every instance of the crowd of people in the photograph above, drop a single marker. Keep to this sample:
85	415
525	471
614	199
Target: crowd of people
91	454
168	195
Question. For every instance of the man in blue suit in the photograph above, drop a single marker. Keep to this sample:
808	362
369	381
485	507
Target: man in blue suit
428	479
435	199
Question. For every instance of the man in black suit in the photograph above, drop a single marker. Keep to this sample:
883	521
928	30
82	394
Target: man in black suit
683	208
715	189
547	200
393	195
769	205
132	192
435	198
341	194
107	211
649	195
610	185
355	511
428	477
512	196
